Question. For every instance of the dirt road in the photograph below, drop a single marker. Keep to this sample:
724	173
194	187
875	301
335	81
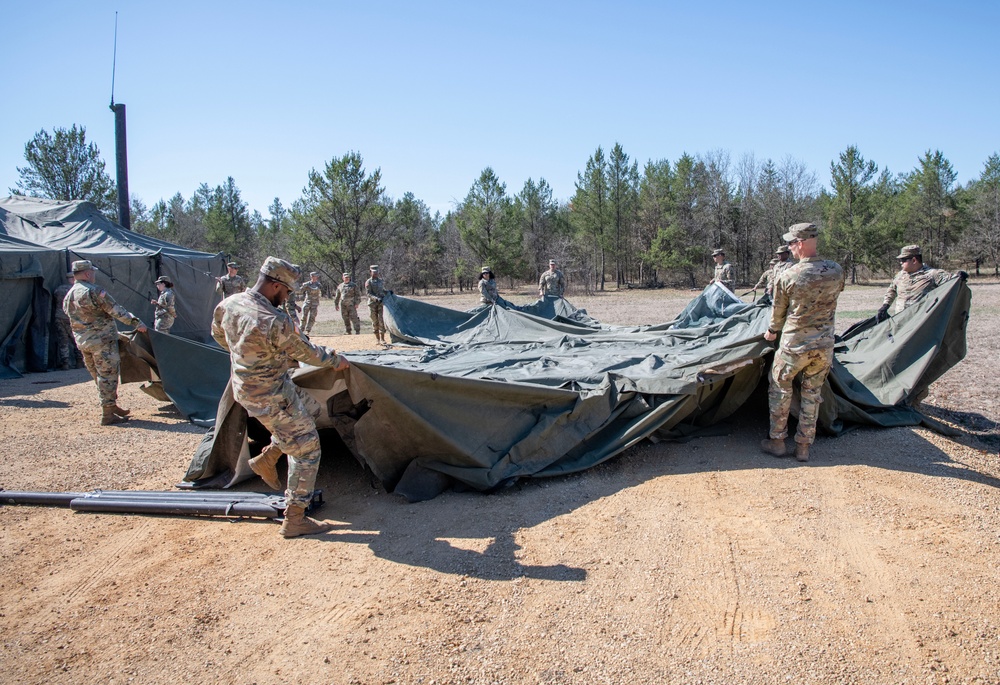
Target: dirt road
703	562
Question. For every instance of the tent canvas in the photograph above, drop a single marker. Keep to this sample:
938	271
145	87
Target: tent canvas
498	394
129	262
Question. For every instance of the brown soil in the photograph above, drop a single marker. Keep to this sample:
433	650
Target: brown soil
704	562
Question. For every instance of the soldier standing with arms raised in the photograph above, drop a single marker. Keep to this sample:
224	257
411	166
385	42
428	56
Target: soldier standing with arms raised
346	300
805	302
375	289
92	313
263	345
911	283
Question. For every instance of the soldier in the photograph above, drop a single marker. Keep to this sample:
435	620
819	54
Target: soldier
232	282
552	283
723	269
166	312
263	344
346	300
310	292
92	313
784	259
375	289
487	286
292	309
65	345
912	282
805	301
766	279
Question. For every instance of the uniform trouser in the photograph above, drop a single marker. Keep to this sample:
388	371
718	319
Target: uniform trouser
378	323
163	324
814	365
65	346
290	416
103	363
350	315
309	312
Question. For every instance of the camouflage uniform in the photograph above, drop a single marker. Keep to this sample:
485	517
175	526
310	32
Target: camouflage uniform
552	283
906	289
724	275
291	309
310	293
488	293
347	298
766	280
805	302
230	285
263	345
68	354
375	289
92	313
166	311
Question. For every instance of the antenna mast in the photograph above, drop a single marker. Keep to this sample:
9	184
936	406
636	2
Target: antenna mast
121	154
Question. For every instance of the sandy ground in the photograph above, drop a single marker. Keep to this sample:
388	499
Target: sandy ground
704	562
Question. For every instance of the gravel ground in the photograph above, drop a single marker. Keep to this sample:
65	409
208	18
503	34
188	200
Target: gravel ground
704	562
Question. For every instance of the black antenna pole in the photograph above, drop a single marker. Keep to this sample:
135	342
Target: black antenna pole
121	154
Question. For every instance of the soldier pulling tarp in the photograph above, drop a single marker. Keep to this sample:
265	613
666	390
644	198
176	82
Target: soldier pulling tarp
503	392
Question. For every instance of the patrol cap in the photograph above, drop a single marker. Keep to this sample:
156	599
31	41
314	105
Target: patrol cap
803	231
717	252
282	271
551	262
373	267
165	281
345	275
909	251
83	265
486	270
233	265
783	250
313	273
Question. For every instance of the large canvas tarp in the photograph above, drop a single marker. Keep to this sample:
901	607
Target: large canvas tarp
129	262
500	393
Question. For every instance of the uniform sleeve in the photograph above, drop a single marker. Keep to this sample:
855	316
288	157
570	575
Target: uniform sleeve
891	293
779	309
336	297
762	281
217	333
110	307
284	337
727	275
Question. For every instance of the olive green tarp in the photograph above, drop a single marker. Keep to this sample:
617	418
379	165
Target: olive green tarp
502	393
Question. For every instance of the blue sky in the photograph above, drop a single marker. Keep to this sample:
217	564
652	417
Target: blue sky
432	93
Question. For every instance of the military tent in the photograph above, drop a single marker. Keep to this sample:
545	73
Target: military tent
129	262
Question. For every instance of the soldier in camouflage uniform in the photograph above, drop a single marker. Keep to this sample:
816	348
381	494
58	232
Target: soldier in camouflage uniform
375	289
784	256
766	280
346	300
911	283
805	301
65	345
166	312
310	293
263	345
92	313
232	282
488	293
552	283
292	309
723	269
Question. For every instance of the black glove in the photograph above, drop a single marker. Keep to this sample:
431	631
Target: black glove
964	275
882	314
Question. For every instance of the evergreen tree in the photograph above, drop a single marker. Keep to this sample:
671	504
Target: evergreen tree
488	224
623	204
930	208
591	212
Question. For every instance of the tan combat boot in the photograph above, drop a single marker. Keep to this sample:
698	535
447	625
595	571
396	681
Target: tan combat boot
109	416
773	446
296	523
263	465
802	451
120	411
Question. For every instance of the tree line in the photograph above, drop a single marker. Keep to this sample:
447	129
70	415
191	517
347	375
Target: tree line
623	227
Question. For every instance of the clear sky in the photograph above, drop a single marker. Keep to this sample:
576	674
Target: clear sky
434	92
